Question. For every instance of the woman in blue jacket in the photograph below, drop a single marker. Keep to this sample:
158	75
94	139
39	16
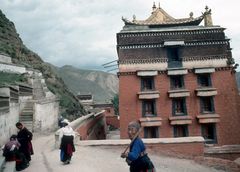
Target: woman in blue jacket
137	157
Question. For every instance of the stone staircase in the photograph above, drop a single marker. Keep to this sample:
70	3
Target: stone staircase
26	116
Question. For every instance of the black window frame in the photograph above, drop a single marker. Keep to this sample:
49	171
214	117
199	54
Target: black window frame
183	104
185	130
203	79
173	53
154	110
211	103
152	85
156	131
173	79
214	133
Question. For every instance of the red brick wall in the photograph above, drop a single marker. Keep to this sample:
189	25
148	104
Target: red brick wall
226	105
177	149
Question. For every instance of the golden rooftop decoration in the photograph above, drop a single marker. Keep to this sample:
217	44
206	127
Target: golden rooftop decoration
160	17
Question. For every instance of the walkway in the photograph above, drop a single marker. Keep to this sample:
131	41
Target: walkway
98	159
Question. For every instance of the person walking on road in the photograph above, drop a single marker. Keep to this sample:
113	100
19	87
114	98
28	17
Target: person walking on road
66	139
137	157
24	137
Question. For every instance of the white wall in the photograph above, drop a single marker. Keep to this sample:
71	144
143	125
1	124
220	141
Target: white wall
5	59
46	115
12	68
7	123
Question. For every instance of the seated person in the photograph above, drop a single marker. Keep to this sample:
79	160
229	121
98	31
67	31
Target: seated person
11	153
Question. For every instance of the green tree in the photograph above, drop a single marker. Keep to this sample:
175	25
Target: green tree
115	102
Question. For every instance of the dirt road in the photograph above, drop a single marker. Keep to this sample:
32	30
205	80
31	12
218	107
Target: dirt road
98	159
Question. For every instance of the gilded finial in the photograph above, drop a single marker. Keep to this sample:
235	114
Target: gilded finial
207	17
191	14
206	8
154	6
134	17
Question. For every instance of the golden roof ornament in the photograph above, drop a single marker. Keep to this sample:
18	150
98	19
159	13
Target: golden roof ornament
134	17
191	15
154	7
207	17
159	18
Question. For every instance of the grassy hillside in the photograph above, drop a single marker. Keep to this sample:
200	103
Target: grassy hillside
11	44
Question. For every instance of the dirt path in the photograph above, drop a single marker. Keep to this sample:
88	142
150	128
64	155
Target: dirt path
98	159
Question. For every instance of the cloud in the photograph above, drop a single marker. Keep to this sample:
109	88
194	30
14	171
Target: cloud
83	33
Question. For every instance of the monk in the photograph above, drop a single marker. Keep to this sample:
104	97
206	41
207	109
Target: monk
24	137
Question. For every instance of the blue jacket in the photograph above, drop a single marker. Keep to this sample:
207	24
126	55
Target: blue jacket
135	149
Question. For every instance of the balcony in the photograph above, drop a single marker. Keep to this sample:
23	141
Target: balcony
179	93
151	121
180	120
208	118
206	91
149	94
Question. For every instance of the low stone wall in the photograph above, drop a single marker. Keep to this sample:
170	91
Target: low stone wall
86	127
12	68
93	128
113	121
5	58
229	152
186	147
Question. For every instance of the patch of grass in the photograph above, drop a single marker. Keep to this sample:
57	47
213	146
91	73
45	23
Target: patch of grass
11	78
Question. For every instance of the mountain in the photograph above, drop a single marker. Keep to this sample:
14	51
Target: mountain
11	44
103	86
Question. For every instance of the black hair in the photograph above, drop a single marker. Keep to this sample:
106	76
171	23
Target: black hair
18	124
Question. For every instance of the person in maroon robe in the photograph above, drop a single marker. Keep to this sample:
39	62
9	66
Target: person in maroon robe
24	137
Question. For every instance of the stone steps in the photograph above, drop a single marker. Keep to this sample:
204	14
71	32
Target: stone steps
26	116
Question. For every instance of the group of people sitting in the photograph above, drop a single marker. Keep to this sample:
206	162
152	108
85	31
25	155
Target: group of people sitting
19	148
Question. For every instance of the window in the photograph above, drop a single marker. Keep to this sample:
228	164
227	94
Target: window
177	82
204	80
207	105
209	133
147	83
151	132
180	130
179	106
149	108
173	54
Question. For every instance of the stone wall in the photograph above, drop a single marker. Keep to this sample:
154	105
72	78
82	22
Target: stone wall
12	68
88	127
113	121
93	128
46	115
5	59
7	122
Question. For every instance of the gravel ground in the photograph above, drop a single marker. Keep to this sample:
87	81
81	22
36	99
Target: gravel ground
98	159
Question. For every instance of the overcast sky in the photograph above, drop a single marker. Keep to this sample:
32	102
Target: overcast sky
82	33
